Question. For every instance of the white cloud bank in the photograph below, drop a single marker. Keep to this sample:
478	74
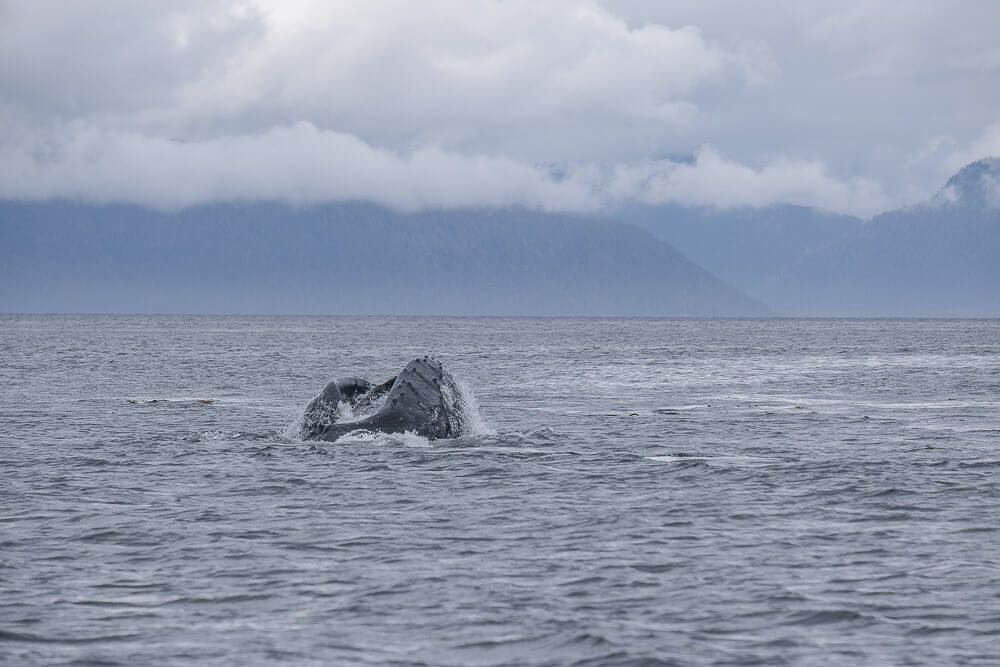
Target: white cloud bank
303	164
300	164
469	102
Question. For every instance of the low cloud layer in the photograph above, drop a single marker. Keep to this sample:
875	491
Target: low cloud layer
303	164
568	105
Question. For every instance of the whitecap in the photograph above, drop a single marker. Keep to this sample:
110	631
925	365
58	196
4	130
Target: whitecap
670	458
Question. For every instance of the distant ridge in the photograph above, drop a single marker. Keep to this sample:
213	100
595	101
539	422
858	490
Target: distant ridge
349	258
940	258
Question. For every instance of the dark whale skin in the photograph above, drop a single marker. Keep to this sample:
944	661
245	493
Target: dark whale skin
422	399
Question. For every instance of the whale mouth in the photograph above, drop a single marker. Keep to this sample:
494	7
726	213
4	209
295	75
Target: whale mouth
424	399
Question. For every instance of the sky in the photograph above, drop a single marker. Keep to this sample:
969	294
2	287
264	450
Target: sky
855	106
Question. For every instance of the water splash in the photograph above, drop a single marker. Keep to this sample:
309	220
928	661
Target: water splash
471	418
293	429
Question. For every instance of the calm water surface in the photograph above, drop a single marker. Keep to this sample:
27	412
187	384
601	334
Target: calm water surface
639	492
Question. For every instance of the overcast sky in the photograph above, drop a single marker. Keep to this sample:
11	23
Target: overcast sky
854	106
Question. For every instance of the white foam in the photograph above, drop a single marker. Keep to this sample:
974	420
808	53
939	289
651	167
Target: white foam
407	438
208	436
669	458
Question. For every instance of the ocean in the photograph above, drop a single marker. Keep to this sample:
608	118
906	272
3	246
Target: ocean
629	492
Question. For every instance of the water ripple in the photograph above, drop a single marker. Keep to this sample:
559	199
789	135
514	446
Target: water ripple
647	492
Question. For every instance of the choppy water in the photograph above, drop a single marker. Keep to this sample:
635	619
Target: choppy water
643	492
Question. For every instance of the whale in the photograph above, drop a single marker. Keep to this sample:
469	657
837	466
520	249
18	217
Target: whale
422	399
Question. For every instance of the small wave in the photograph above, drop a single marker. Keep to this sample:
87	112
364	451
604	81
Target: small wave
543	433
676	409
7	635
827	616
492	450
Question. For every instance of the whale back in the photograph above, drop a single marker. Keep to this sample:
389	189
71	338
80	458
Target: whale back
417	400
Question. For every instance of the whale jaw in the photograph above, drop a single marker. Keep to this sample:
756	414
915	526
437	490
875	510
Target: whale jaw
423	399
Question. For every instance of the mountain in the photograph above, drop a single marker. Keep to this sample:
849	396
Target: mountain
976	186
940	258
751	247
343	258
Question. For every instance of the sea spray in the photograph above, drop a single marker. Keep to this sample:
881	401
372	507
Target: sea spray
472	419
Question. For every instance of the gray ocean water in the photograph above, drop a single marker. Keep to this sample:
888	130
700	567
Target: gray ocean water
637	492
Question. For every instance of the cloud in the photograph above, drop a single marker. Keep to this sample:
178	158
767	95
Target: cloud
299	164
83	59
459	73
713	181
985	145
461	102
304	164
